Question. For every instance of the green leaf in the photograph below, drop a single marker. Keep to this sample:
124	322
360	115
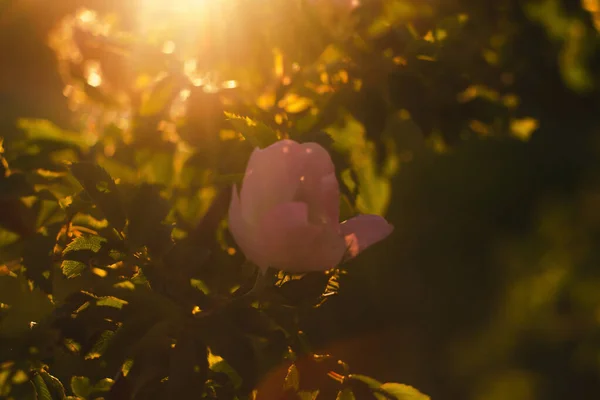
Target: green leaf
400	392
223	367
81	386
102	343
102	190
188	366
151	356
93	243
103	385
77	251
392	12
372	383
16	217
8	237
71	268
54	386
10	289
307	395
10	254
40	129
256	132
27	306
37	260
159	97
374	189
14	186
292	379
23	391
146	212
156	165
346	209
49	212
41	389
141	330
200	285
111	301
345	394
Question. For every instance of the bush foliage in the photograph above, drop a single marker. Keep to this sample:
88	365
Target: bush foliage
471	125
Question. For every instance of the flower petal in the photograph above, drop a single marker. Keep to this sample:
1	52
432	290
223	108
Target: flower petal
320	163
242	231
319	186
364	230
330	197
272	177
291	244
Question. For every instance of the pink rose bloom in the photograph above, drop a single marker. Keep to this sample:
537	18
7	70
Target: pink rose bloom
287	214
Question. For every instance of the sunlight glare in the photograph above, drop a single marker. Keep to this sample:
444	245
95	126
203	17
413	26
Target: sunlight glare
231	84
168	47
93	74
154	12
180	6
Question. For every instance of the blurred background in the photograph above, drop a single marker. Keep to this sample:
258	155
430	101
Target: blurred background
473	126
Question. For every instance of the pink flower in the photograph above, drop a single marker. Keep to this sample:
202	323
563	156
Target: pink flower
287	214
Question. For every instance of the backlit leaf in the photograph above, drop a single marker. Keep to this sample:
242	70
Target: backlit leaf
256	132
401	392
102	190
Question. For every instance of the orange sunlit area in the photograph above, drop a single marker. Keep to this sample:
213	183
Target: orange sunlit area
299	199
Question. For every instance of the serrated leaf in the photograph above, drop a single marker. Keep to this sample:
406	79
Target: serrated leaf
256	132
400	392
71	268
93	243
102	190
101	344
42	391
78	246
54	386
